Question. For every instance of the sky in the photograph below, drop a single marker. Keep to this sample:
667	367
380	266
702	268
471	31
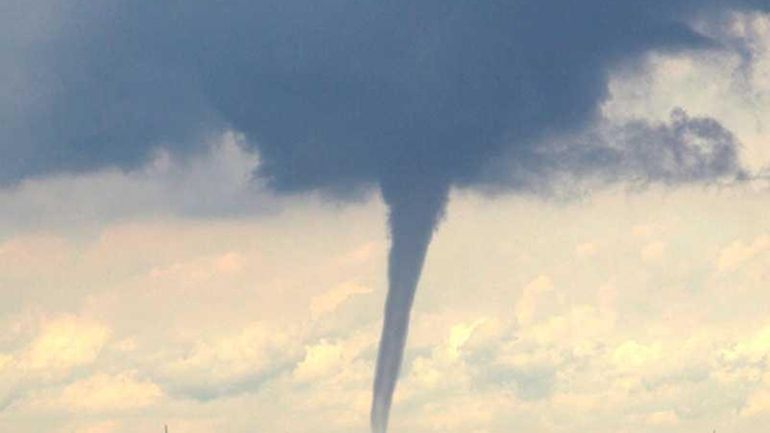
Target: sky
178	288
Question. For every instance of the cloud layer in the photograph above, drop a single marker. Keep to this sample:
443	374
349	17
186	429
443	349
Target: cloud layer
333	94
653	322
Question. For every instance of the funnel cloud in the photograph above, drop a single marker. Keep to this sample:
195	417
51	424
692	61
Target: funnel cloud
413	218
412	97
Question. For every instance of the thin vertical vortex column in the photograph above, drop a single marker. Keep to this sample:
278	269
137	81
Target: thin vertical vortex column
414	214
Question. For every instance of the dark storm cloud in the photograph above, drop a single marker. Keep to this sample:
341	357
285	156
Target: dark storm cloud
332	92
683	150
686	149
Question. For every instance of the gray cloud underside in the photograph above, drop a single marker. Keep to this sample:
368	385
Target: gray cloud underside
332	93
683	150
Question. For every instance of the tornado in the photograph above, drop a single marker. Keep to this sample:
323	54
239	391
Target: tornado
415	211
339	96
